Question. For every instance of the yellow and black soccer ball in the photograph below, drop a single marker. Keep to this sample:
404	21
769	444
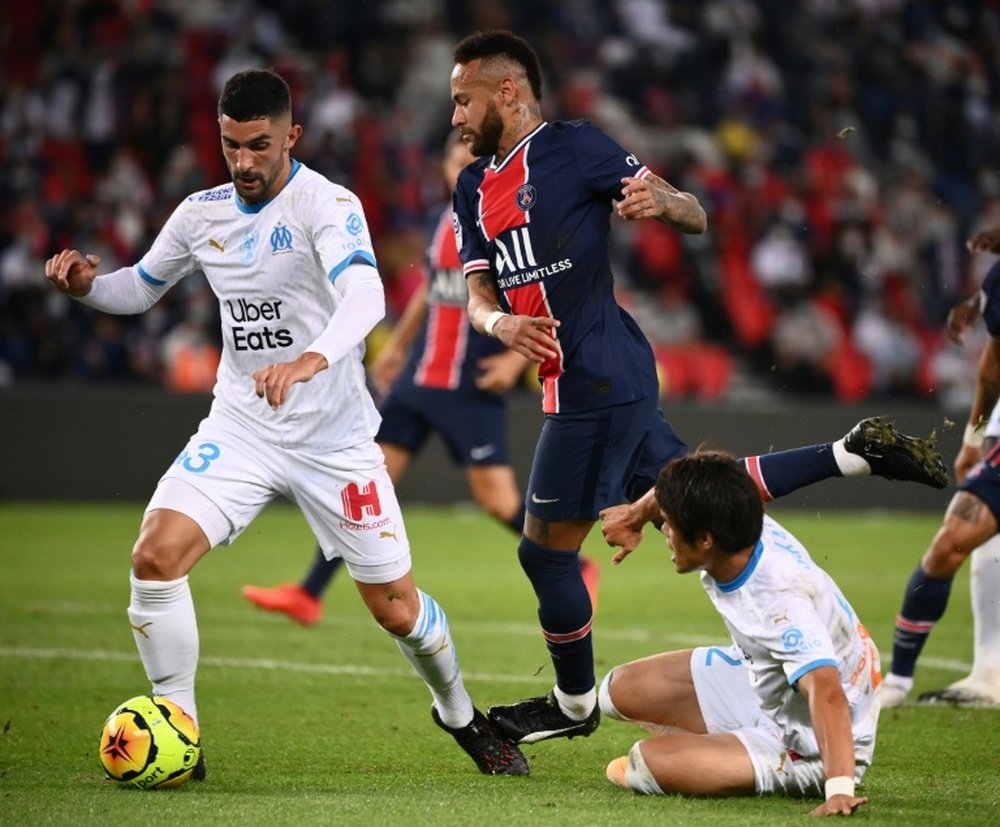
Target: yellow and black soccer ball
149	742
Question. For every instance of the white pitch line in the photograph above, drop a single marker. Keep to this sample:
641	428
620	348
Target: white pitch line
253	663
265	664
463	626
661	640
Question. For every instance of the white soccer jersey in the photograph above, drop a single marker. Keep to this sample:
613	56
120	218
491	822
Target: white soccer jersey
788	617
272	266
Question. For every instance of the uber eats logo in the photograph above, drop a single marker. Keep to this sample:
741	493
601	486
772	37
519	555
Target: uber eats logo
249	333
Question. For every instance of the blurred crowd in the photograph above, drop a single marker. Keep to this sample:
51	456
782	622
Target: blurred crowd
843	149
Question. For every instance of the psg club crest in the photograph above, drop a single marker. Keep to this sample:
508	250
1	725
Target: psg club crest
526	197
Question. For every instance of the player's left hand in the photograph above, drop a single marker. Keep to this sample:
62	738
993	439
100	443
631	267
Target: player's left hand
968	456
839	805
500	372
961	317
987	241
275	381
640	200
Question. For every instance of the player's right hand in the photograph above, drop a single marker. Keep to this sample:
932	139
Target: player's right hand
500	372
71	273
531	336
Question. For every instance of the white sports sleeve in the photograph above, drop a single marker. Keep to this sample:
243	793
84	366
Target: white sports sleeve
361	307
123	292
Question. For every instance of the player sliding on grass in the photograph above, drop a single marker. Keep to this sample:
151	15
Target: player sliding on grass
790	706
532	219
289	257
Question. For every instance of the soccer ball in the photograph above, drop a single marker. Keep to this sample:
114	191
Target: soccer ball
149	742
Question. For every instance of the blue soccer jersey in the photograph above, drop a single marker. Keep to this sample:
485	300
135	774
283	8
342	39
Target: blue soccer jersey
983	478
990	300
539	223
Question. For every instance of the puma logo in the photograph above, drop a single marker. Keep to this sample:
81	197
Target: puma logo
342	200
385	535
220	247
444	645
782	619
142	629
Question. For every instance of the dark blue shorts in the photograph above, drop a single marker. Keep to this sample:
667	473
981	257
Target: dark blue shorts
983	480
473	425
585	462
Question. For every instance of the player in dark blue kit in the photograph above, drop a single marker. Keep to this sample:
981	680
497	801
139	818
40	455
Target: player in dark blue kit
532	219
435	373
972	518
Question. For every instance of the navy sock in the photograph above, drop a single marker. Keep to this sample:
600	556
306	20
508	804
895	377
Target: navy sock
517	521
783	472
321	573
924	603
564	612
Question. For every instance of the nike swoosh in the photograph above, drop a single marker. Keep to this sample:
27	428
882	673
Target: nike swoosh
536	499
482	451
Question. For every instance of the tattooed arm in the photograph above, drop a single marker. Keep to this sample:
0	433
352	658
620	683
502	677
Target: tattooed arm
484	298
531	336
652	197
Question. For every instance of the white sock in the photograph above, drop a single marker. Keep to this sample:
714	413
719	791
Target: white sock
576	707
637	774
850	465
166	633
430	650
984	585
904	683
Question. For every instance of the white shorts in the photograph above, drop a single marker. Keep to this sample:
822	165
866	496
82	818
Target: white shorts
226	475
729	704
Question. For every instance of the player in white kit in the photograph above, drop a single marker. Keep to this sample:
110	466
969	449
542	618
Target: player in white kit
790	707
288	254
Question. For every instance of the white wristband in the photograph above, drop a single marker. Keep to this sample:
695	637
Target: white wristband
491	322
972	436
839	785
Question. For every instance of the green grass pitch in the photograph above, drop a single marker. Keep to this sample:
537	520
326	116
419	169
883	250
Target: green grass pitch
328	726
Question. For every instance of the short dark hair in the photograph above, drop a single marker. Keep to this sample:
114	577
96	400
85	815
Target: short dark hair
255	94
710	492
500	43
